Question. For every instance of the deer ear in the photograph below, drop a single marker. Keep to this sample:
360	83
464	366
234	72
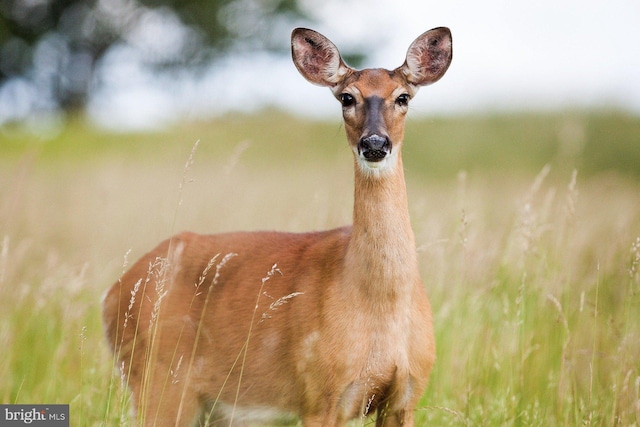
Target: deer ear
317	59
428	57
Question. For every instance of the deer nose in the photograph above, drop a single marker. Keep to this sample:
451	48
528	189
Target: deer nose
374	147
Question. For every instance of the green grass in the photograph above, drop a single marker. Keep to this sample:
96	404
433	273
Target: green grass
533	273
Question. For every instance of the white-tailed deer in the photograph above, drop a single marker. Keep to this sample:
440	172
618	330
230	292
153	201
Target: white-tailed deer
325	326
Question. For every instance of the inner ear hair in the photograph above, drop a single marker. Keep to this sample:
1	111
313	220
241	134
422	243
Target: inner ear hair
428	57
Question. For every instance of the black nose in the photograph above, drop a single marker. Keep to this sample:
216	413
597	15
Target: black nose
374	147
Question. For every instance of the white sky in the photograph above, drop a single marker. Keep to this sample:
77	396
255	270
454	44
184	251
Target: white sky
547	54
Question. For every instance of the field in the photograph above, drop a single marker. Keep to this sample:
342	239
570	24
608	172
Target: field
527	226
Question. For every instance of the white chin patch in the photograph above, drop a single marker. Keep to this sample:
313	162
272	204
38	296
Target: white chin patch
380	168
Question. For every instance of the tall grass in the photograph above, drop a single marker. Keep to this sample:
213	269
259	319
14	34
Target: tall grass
538	323
533	271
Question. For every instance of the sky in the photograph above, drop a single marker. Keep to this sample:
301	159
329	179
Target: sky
508	55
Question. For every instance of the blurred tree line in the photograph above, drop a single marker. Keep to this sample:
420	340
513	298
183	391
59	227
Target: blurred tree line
53	49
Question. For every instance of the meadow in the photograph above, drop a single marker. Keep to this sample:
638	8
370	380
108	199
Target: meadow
527	226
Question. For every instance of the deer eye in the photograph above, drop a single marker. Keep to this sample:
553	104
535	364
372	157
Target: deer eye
346	99
403	100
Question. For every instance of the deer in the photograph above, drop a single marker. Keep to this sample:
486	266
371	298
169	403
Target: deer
323	327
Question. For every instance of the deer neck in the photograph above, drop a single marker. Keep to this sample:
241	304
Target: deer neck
381	255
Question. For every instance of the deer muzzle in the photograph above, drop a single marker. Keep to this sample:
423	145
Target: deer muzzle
374	147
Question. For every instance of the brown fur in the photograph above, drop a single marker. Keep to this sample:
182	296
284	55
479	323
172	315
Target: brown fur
327	326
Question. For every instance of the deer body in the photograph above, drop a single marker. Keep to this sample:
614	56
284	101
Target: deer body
326	326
